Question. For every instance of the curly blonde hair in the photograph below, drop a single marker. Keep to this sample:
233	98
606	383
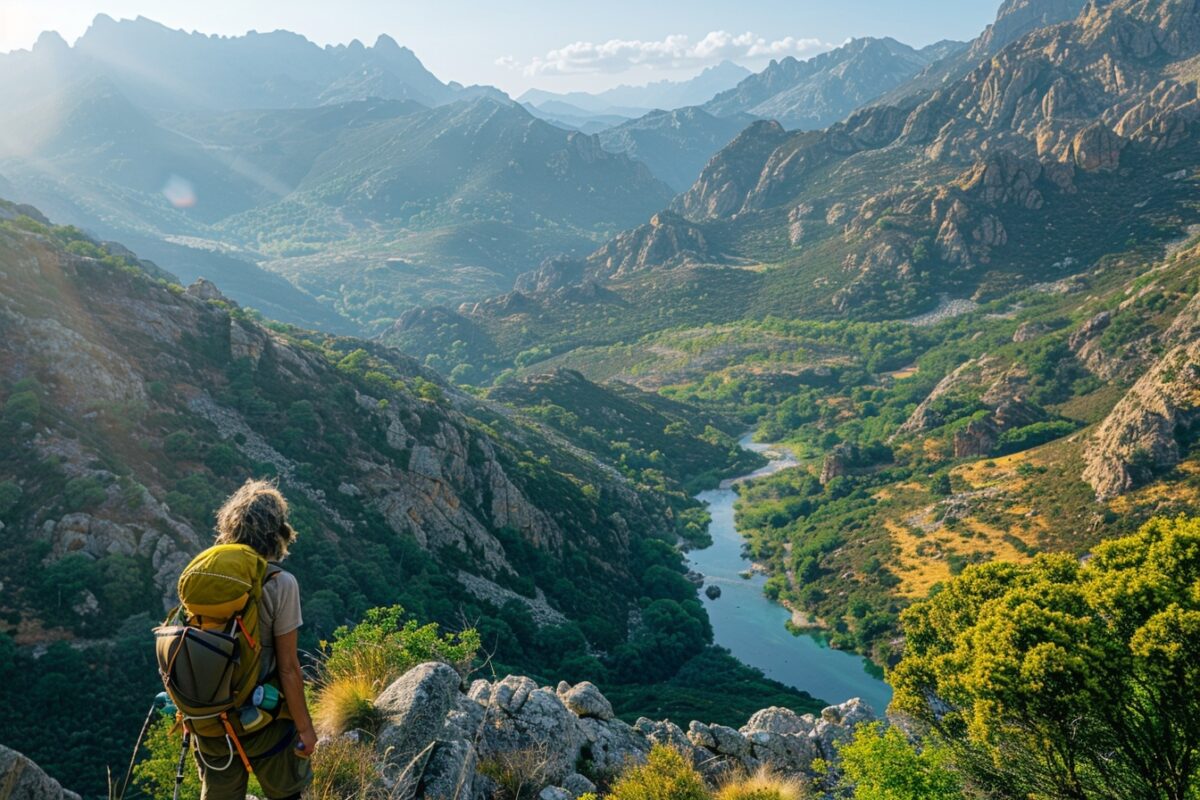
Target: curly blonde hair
257	515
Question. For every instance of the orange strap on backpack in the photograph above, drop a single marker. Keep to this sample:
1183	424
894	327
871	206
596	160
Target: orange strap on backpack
236	742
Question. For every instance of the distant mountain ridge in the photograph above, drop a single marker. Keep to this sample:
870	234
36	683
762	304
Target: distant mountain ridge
819	91
664	94
159	68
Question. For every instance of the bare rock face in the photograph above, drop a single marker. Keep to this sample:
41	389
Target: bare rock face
1138	438
21	779
414	709
667	240
1097	148
976	439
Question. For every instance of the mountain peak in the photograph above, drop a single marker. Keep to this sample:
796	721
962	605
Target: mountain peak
50	42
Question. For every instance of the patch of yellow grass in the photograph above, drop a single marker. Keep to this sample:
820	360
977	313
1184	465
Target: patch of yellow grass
344	703
921	562
994	471
1161	492
763	785
923	558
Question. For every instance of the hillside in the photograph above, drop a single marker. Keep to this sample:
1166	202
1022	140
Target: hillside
796	225
822	90
131	406
675	145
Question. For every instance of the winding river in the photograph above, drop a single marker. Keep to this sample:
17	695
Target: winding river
752	626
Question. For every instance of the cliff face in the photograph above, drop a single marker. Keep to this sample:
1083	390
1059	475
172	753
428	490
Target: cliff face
440	741
1147	432
133	406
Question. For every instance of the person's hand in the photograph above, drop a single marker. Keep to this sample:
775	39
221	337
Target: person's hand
307	744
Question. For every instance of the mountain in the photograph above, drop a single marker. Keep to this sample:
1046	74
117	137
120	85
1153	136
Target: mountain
161	69
565	115
636	100
1014	19
364	206
824	89
676	144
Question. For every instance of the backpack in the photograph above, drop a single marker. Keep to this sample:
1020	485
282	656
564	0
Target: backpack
208	648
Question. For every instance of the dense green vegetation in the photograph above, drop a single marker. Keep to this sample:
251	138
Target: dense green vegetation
1062	679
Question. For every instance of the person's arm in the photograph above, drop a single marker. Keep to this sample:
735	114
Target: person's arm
291	681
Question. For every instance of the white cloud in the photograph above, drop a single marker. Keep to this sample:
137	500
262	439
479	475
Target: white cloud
672	52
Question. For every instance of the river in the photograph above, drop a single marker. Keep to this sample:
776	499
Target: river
752	626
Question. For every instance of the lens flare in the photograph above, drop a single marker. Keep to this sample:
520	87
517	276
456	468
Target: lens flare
179	192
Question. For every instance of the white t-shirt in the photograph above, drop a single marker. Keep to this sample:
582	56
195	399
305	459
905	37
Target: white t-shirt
279	613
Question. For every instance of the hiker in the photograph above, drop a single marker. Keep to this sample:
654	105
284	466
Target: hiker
230	663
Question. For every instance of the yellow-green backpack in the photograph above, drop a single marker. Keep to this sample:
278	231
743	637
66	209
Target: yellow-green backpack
209	648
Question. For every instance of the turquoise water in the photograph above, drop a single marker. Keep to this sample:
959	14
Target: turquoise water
752	627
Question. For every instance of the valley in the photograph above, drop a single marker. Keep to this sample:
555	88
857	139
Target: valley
869	374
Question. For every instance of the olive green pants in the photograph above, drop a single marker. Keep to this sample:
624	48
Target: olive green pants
281	773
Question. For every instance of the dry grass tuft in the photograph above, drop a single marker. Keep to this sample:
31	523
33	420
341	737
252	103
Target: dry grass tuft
345	703
763	785
345	769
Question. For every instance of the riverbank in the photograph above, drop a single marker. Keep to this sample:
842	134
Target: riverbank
756	629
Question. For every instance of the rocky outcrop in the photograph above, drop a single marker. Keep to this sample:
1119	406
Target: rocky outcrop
21	779
667	240
1140	438
721	189
444	742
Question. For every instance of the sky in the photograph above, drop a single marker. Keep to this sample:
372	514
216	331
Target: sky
557	45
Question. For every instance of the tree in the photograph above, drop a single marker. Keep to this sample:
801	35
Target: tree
1056	679
881	764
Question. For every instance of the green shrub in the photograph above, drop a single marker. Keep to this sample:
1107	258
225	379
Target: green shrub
81	494
384	646
10	494
666	775
881	764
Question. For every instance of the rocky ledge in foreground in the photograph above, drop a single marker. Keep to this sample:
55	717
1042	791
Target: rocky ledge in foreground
21	779
439	741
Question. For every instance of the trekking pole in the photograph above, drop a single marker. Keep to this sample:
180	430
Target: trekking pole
155	706
179	767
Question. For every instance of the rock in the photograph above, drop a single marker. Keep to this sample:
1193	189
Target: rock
1028	331
611	744
663	732
1137	440
586	701
554	793
530	722
449	772
778	720
712	591
977	438
21	779
1097	148
577	785
414	709
837	462
206	290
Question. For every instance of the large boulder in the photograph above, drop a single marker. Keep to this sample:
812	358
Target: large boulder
586	701
21	779
530	723
414	710
611	745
